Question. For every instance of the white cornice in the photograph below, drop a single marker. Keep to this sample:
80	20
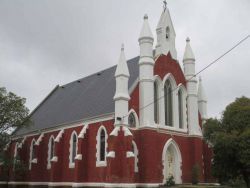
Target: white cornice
69	125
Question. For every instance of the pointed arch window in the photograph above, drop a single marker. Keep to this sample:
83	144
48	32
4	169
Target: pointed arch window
101	146
156	102
180	108
131	120
16	156
32	153
51	151
168	103
73	149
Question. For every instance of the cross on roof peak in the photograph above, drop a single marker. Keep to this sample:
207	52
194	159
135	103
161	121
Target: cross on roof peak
165	5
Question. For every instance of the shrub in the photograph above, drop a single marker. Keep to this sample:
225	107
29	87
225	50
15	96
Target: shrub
170	181
195	174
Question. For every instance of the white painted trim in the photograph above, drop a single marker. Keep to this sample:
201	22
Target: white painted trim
100	163
172	128
69	125
136	152
88	184
15	150
126	131
72	163
129	154
15	154
49	151
111	154
54	159
115	131
39	139
83	131
184	105
78	157
22	142
32	145
178	161
170	132
59	136
136	118
175	118
160	100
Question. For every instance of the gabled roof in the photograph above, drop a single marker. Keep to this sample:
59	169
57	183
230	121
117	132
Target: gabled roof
84	98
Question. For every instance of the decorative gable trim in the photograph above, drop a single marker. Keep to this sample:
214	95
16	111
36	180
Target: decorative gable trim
59	136
83	131
39	139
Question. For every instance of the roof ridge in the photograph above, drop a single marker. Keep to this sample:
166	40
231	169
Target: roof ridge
129	61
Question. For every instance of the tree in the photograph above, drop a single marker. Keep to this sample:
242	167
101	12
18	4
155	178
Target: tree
230	140
13	114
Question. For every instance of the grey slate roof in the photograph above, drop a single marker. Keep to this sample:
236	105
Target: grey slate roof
84	98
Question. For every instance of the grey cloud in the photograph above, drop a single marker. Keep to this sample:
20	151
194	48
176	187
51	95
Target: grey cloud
44	43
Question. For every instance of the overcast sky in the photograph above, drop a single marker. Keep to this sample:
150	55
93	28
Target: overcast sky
45	43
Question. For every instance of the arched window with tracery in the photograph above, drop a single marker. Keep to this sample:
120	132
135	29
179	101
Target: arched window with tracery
131	120
168	103
156	102
101	147
180	108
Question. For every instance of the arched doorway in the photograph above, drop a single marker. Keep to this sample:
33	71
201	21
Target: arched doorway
171	159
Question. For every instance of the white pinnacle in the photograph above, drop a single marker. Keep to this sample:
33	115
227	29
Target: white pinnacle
122	67
201	92
188	54
146	31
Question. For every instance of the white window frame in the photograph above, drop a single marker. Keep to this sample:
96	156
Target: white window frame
49	152
15	155
184	107
175	120
32	145
100	163
136	118
136	152
72	163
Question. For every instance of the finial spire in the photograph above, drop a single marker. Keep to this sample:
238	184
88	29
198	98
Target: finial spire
122	68
145	31
188	54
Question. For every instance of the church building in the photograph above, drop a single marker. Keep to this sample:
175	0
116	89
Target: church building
135	124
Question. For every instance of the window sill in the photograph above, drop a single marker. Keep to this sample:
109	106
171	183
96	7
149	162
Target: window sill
101	163
48	166
34	160
172	128
71	165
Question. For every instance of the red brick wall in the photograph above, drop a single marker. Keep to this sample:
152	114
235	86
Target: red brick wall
150	144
